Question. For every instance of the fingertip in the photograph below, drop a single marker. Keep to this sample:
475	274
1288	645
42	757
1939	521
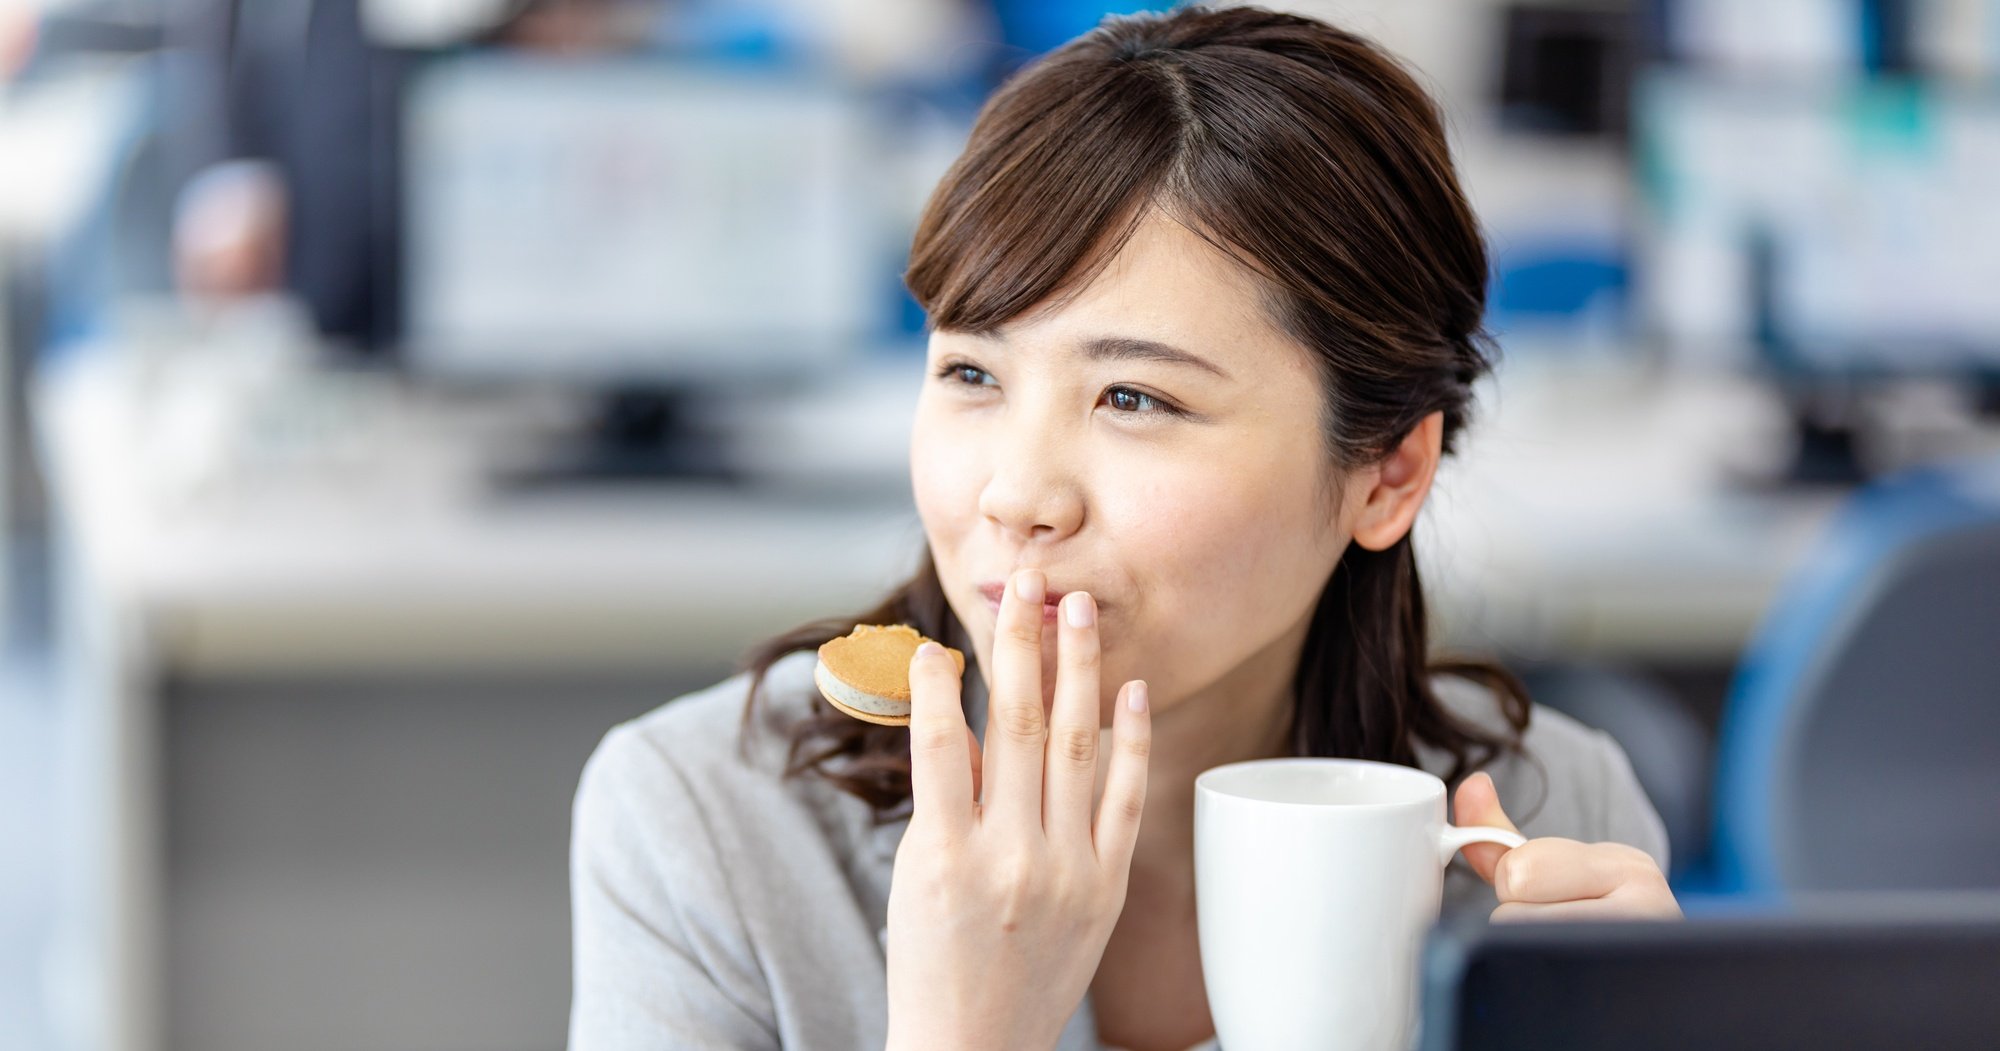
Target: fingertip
932	677
1136	697
927	652
1079	610
1030	585
1476	792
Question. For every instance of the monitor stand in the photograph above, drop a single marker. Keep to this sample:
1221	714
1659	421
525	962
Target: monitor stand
638	436
1828	433
1827	454
1989	397
1823	408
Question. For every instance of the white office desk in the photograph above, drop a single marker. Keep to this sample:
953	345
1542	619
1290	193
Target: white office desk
1585	517
1597	511
408	566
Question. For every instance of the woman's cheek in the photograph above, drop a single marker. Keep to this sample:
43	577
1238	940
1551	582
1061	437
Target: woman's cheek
946	499
1221	558
941	476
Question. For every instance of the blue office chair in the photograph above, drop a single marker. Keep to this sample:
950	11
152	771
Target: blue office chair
1860	748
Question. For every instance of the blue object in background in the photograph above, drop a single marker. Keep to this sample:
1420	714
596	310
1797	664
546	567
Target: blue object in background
120	244
1039	26
1557	284
1857	745
733	32
1552	282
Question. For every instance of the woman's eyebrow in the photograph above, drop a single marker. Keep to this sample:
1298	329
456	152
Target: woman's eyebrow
1128	348
1132	348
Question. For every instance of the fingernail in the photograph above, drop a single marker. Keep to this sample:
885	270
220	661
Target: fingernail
928	650
1028	585
1079	609
1135	699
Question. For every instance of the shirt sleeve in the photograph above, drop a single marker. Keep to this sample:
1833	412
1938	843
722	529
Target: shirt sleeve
1627	816
659	956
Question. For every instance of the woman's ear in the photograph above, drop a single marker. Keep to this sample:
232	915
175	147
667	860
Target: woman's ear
1392	492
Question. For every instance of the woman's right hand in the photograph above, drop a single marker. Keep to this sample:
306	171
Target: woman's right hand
1001	902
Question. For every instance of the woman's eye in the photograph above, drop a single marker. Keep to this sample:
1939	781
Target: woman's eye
970	375
1125	399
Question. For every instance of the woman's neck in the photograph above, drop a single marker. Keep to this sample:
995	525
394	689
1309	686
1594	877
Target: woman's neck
1245	715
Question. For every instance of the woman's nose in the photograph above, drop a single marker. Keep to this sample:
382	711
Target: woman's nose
1033	492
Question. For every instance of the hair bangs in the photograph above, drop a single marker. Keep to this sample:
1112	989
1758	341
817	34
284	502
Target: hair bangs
1059	171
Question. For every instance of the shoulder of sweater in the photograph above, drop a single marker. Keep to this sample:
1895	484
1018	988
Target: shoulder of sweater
704	738
1552	738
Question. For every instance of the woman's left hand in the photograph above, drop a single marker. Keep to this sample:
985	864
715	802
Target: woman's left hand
1560	879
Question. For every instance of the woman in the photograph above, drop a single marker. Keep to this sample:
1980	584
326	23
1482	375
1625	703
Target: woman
1205	302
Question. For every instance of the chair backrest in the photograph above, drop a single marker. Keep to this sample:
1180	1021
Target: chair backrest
1861	743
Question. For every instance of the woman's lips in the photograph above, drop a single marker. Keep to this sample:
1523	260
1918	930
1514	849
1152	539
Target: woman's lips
1050	600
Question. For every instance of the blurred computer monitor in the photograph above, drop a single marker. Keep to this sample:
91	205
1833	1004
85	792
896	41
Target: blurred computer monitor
1911	975
1839	233
1837	225
645	230
635	221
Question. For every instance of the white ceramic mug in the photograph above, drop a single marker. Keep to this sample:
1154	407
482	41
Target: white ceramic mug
1315	883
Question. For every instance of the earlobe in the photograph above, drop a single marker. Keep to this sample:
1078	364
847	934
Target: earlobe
1398	485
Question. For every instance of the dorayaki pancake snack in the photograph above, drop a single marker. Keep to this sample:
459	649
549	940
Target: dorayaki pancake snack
867	672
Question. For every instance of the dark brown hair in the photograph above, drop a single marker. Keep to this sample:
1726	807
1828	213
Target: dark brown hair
1312	158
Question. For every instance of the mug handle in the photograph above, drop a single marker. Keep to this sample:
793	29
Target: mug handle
1456	836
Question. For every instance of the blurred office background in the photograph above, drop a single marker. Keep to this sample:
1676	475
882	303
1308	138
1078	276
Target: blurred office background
398	393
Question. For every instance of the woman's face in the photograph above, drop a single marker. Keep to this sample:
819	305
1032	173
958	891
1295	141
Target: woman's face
1187	496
